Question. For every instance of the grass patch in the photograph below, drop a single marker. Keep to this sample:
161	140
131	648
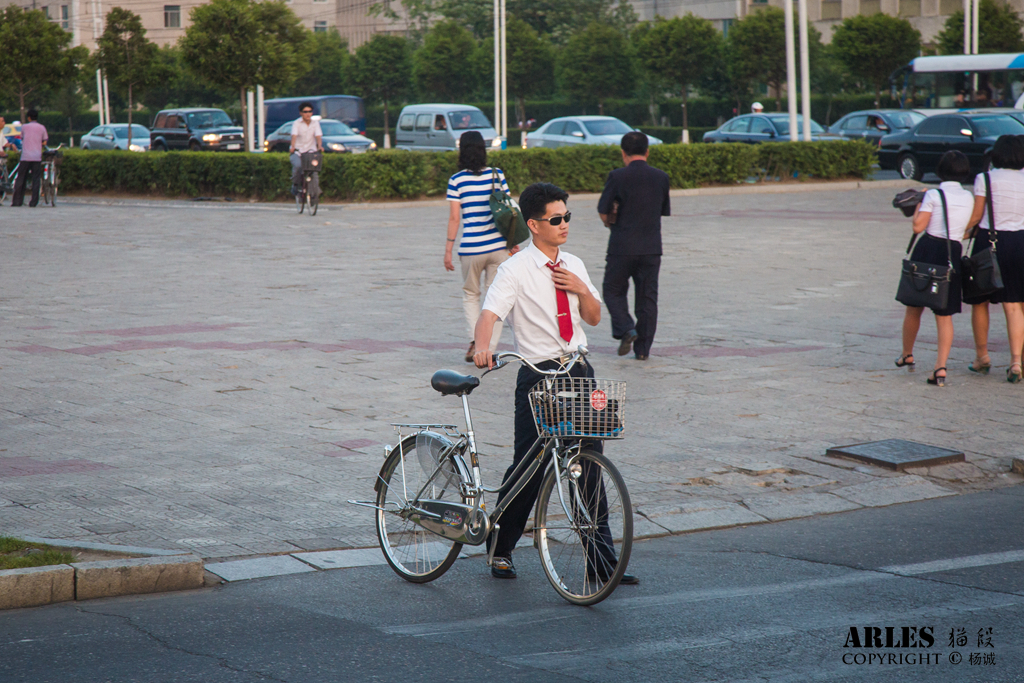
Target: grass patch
18	554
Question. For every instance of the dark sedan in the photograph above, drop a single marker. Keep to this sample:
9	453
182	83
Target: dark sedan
753	128
337	138
871	124
917	151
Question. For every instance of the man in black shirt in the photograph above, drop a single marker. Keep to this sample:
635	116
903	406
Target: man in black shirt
632	204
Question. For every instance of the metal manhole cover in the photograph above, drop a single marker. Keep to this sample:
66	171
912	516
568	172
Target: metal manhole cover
897	454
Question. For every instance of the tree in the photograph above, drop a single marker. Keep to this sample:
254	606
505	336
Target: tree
447	48
331	68
999	30
531	64
181	87
596	64
35	53
240	44
127	57
872	47
384	71
678	52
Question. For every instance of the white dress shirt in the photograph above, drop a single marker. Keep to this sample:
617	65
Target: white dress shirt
523	294
961	205
306	135
1007	198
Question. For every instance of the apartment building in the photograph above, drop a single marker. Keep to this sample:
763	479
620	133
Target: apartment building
927	16
166	23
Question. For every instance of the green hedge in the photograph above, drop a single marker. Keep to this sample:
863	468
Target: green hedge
396	174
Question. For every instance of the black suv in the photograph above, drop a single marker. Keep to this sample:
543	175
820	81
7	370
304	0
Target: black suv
195	129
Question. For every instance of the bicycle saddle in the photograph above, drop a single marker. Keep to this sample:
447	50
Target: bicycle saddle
449	382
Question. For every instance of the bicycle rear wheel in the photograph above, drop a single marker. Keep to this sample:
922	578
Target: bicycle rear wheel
578	550
47	193
414	553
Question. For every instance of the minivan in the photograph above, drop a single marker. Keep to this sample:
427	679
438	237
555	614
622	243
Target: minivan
438	127
348	109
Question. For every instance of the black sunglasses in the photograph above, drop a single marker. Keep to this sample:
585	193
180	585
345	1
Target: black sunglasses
306	111
556	220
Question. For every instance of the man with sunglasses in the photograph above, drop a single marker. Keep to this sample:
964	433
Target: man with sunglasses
546	295
306	137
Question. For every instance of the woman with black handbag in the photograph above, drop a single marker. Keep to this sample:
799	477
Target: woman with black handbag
999	204
943	217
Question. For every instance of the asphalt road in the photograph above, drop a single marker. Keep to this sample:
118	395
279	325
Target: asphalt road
771	602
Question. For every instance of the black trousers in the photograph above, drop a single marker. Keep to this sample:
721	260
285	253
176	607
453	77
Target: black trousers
513	519
26	167
643	270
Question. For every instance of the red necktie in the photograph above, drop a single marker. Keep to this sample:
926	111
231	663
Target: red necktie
564	319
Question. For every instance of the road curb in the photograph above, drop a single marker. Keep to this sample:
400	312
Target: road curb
36	586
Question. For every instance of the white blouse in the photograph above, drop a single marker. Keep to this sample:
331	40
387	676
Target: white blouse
1007	198
960	203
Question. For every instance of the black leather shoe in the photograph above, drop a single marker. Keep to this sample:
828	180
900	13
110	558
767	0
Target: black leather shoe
626	343
502	568
629	580
641	356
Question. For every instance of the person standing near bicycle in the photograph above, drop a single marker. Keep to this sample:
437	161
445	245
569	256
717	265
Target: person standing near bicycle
306	137
33	137
546	295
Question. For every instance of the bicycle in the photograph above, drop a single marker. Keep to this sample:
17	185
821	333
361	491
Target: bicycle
308	195
430	502
51	174
7	178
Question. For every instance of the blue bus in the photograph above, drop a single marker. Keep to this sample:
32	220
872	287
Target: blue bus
961	82
348	109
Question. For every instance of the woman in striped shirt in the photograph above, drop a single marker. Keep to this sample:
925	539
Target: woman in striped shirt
482	248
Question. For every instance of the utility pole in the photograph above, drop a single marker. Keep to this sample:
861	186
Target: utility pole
790	69
805	71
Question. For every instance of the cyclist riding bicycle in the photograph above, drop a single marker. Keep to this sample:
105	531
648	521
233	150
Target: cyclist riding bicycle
545	293
306	137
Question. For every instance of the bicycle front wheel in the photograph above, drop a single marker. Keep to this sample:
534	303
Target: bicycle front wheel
314	193
577	532
414	553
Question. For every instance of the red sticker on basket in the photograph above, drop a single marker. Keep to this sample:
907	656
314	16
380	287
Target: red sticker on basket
598	400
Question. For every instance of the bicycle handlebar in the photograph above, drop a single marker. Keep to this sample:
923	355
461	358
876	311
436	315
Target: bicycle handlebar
505	357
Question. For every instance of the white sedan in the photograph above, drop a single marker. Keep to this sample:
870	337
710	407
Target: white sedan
581	130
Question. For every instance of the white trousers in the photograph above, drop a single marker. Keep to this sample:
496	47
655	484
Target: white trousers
477	268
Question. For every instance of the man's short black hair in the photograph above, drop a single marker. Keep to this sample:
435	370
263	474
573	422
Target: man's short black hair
32	115
634	144
1008	152
304	105
954	166
534	200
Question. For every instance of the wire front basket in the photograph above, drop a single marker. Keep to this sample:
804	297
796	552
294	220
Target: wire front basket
581	407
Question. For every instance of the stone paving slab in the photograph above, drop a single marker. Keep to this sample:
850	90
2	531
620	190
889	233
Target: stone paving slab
220	380
258	568
337	559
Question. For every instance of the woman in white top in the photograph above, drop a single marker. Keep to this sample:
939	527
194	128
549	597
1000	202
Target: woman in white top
931	247
482	248
1007	183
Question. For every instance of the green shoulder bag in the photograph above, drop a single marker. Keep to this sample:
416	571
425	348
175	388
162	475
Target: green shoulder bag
508	219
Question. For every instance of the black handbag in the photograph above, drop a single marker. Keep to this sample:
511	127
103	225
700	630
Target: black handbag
980	272
926	285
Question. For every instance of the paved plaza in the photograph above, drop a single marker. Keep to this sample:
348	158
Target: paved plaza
221	377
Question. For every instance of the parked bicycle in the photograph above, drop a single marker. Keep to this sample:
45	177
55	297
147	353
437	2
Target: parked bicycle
7	178
51	173
309	192
430	501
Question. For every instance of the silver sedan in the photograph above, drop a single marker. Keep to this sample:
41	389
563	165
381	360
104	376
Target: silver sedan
115	136
581	130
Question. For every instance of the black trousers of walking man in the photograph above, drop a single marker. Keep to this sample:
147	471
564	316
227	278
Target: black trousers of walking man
26	167
643	271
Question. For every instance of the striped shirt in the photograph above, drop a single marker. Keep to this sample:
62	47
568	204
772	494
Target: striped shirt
473	192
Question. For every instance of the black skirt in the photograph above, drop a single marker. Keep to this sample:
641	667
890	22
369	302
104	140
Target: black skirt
1010	252
980	244
932	250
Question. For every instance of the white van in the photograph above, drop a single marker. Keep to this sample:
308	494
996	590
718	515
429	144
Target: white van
438	127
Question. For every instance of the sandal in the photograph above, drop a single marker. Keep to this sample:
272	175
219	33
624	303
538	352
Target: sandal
935	380
1011	376
980	367
903	362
